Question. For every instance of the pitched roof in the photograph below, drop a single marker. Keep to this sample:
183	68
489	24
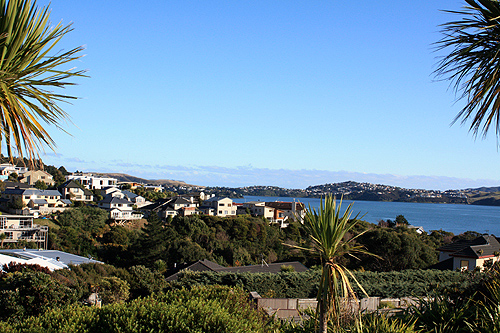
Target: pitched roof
115	200
32	192
69	184
480	247
274	267
64	257
216	199
207	265
285	205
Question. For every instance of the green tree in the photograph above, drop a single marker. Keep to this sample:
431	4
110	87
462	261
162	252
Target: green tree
13	177
3	237
329	230
41	185
113	289
153	241
29	74
17	203
26	293
473	64
401	221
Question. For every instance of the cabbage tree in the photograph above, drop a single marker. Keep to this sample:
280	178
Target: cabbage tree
329	230
31	70
473	63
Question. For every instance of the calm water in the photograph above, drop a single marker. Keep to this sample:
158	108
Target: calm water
449	217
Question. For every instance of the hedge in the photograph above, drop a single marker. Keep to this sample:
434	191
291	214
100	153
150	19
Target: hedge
305	284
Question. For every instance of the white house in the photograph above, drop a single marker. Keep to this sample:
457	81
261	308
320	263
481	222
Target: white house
71	190
91	181
21	227
6	169
219	206
469	254
120	210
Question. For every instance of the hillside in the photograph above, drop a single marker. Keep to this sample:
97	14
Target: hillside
485	198
122	177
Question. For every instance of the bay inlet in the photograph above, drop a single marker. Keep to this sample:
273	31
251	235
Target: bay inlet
449	217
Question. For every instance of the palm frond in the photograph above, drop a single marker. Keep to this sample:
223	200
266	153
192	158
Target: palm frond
473	64
28	76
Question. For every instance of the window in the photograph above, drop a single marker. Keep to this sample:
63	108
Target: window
464	265
220	211
225	212
229	205
221	204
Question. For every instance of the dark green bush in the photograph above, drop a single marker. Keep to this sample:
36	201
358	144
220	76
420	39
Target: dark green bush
202	309
305	284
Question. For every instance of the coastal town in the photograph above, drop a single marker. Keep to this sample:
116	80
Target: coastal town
249	167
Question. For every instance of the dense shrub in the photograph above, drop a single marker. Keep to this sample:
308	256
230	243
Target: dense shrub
305	284
203	309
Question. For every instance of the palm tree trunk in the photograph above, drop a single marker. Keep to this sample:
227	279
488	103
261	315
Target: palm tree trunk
323	321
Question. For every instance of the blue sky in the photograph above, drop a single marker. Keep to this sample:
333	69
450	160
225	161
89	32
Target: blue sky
285	93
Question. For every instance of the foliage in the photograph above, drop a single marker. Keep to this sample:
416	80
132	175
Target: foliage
79	229
370	323
29	75
239	240
27	292
305	284
473	62
328	230
113	289
41	185
13	177
17	203
206	309
398	248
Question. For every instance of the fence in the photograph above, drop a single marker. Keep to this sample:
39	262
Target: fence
290	308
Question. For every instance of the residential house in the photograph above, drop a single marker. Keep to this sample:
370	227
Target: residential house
207	265
91	181
138	200
6	169
197	196
171	207
470	254
32	176
39	201
260	208
74	191
120	210
295	211
20	227
219	206
52	259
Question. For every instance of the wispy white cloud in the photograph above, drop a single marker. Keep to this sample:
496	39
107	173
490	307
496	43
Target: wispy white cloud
211	175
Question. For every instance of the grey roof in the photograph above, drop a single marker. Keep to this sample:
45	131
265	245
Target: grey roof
115	200
129	194
66	201
215	199
181	201
207	265
32	192
274	267
9	184
64	257
480	247
69	184
39	201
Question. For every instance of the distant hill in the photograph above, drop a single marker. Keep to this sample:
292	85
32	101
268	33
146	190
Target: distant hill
485	189
122	177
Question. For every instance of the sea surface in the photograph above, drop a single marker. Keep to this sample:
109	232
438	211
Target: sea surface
449	217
